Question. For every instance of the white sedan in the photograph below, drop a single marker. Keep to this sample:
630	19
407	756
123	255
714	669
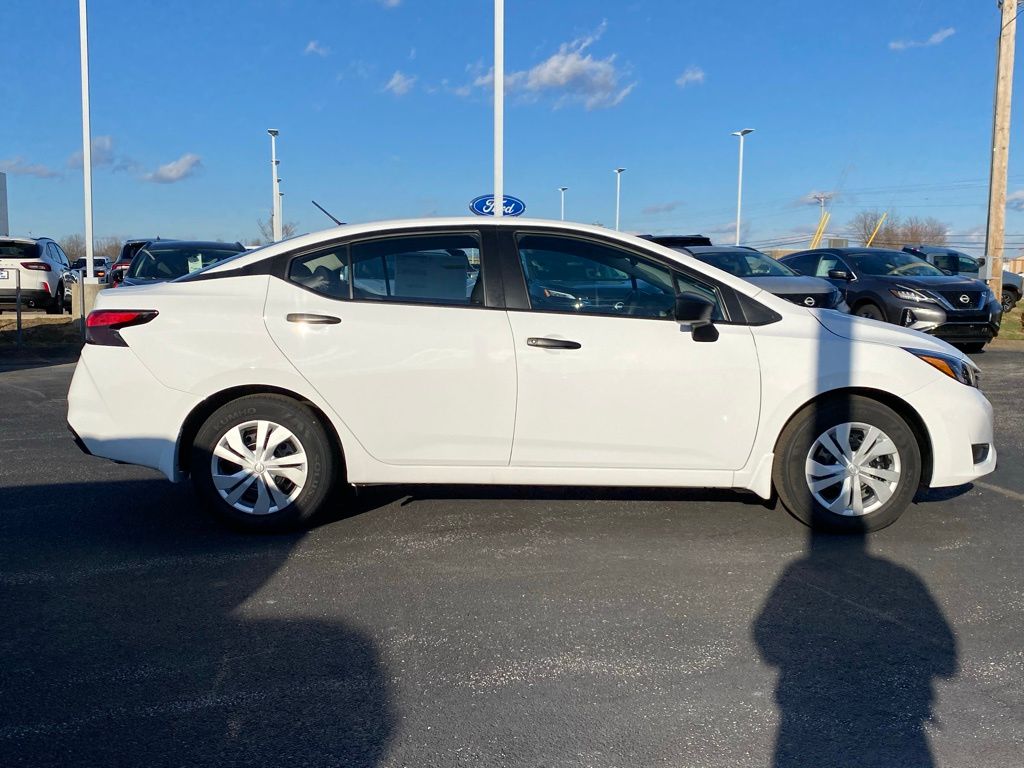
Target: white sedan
589	357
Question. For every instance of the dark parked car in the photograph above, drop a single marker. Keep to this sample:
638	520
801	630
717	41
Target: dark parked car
901	288
161	260
678	241
764	271
959	263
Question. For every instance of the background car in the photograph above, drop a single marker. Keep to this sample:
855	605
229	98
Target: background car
902	288
44	272
959	263
161	260
124	259
270	390
100	268
765	272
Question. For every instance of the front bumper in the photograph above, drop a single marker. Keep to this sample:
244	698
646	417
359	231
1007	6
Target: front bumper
957	418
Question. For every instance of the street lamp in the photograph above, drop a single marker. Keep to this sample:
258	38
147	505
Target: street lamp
562	190
275	214
618	194
739	187
83	36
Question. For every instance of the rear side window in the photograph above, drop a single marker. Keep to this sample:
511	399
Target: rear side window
325	272
805	264
420	269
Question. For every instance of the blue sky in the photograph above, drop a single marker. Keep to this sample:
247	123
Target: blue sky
384	108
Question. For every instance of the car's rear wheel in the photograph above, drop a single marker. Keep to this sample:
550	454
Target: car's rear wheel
871	311
264	463
847	465
56	306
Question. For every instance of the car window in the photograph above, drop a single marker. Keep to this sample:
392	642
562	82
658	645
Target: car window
689	284
324	271
567	274
894	263
171	263
745	263
420	269
826	264
805	264
968	265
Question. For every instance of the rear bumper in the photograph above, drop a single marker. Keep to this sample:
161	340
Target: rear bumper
117	410
30	297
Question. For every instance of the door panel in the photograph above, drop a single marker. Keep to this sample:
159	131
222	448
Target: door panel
636	393
414	384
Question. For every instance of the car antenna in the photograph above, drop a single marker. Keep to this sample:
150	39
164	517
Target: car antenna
339	223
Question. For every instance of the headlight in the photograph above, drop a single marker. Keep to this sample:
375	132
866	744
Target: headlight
953	367
909	294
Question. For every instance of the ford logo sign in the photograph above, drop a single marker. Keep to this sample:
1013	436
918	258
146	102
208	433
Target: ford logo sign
484	205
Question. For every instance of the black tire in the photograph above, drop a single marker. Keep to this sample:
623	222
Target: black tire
56	306
869	310
323	464
799	436
973	348
1009	301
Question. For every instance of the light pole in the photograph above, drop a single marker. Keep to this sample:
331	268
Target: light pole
499	107
562	190
739	187
83	34
275	214
618	194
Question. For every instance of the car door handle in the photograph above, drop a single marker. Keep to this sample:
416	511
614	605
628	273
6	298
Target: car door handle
302	317
545	343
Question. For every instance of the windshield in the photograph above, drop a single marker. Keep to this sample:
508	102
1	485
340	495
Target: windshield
169	263
745	263
892	263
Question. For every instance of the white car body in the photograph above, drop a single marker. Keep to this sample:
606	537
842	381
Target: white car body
444	394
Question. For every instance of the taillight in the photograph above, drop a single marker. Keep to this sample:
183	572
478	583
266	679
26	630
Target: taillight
38	266
103	326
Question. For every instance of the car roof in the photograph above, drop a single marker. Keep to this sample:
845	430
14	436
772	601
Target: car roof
167	244
395	226
14	239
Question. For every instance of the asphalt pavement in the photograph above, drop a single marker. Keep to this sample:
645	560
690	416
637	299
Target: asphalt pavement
499	626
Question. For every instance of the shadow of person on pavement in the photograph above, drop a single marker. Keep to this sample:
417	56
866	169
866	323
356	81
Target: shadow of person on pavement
140	632
858	641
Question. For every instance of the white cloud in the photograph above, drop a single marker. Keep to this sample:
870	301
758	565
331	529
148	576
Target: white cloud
400	83
1015	200
102	154
691	76
571	72
936	39
314	47
179	169
658	208
18	166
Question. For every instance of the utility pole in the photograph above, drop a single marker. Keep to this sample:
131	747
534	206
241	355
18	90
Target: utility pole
83	36
996	231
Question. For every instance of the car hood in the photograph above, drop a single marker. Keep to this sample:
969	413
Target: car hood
782	285
876	332
936	283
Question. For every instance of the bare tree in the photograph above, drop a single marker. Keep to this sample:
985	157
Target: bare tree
106	247
73	246
896	232
266	228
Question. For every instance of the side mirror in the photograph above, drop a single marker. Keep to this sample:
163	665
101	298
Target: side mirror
981	262
696	312
947	271
839	274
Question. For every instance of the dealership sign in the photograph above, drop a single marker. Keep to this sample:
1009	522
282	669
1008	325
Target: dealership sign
484	205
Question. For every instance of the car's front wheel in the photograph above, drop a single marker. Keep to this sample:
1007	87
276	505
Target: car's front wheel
1009	301
264	462
870	311
847	465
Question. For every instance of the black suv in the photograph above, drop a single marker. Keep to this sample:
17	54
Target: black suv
903	289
